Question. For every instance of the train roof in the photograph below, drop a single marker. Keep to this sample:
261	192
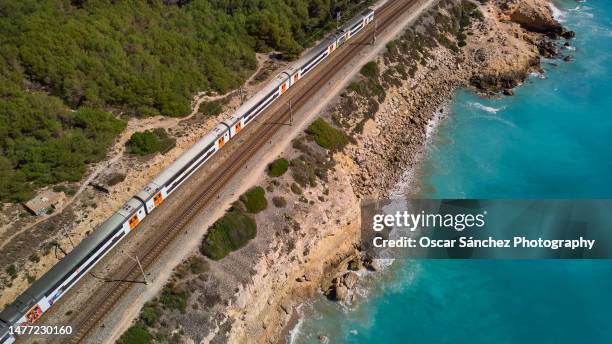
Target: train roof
41	287
316	50
188	155
261	94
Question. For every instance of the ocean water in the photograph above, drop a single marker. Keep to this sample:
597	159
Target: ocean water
553	139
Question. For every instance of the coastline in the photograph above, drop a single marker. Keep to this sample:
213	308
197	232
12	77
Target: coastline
499	79
310	245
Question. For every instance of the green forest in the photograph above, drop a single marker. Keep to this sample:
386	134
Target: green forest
70	71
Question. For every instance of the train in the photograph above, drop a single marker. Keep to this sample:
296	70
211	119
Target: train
43	293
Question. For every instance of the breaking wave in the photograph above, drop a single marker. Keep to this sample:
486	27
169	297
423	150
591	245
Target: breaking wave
488	109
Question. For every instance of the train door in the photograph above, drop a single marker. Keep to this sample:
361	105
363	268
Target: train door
221	141
331	48
296	77
158	198
237	127
134	221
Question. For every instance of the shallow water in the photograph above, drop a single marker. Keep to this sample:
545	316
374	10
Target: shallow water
553	139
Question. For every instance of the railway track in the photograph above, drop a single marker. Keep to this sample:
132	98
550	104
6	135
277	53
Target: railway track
110	293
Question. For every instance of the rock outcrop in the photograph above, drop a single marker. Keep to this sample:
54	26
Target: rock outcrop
535	16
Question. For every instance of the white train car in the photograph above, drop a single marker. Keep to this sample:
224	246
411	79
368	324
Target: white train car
44	292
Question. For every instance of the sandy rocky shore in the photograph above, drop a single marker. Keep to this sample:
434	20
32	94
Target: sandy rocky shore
310	245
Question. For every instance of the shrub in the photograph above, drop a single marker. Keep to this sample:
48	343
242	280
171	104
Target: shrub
231	232
197	265
149	314
136	334
327	136
59	188
370	70
173	297
166	141
149	142
278	167
115	179
211	108
143	143
254	200
34	258
279	201
296	189
12	271
303	173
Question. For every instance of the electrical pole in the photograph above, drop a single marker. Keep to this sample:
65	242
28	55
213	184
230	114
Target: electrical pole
290	114
144	277
337	20
375	29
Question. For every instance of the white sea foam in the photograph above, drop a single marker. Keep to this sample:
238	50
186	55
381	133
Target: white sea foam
488	109
295	331
538	75
498	119
557	12
408	178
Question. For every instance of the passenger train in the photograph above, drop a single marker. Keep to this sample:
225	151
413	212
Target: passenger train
44	292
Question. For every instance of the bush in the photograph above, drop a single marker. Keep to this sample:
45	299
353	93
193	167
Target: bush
143	143
254	200
12	271
327	136
149	315
296	189
370	70
211	108
278	167
149	142
231	232
174	298
279	201
136	334
115	179
34	258
197	265
166	141
303	173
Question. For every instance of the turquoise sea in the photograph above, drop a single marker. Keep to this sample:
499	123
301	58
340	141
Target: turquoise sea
553	139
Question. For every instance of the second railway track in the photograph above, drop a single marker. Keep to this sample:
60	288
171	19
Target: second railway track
110	293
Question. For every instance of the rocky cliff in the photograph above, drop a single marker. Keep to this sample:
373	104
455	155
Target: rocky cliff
308	243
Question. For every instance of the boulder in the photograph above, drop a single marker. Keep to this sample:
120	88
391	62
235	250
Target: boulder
371	264
568	34
548	49
341	293
350	279
536	18
354	265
